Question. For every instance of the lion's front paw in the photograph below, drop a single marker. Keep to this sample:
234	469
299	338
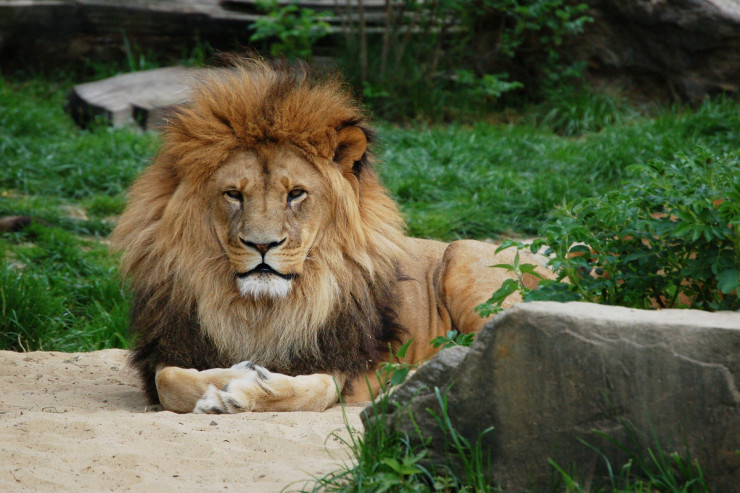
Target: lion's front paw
216	401
237	396
244	365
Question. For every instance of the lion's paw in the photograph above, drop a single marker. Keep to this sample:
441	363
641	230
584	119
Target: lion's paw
216	401
262	372
239	395
244	365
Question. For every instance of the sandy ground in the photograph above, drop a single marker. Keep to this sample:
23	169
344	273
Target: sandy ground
78	422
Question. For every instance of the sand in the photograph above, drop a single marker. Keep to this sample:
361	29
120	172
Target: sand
78	422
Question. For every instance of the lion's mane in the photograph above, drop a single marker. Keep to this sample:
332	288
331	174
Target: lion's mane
187	311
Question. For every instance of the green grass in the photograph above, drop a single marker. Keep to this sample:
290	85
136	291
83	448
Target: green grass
59	286
60	292
386	460
484	180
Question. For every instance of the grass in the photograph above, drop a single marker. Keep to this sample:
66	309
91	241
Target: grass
386	460
486	180
59	287
59	291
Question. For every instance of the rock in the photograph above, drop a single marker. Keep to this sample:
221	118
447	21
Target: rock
51	34
681	48
550	377
141	97
433	373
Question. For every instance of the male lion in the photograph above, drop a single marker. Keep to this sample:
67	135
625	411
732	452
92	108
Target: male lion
269	266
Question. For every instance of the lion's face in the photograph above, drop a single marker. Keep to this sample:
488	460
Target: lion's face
269	205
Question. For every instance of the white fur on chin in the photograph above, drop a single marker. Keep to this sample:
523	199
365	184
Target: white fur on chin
269	286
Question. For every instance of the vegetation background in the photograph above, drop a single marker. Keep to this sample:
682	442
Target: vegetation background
514	148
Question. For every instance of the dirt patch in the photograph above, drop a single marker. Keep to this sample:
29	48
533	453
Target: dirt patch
78	422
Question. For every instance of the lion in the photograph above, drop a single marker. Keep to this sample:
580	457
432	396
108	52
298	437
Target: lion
270	268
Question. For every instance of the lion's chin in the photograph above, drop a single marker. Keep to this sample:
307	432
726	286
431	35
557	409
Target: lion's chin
264	286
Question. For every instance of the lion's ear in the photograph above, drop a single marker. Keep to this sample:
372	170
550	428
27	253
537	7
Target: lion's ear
351	147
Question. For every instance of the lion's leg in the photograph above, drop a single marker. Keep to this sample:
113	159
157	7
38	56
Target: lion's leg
245	387
179	389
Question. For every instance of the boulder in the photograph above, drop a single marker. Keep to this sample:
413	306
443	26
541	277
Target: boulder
681	48
560	381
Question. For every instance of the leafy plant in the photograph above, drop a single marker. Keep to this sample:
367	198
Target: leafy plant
453	338
453	58
531	31
668	238
493	305
387	460
487	86
290	30
570	110
394	372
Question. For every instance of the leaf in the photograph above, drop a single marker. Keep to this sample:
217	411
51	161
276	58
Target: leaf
728	280
399	375
466	340
681	230
530	269
401	353
508	287
508	267
392	463
441	341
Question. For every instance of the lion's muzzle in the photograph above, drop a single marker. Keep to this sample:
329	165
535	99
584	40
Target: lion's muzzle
264	281
264	269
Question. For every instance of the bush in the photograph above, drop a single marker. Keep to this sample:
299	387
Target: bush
668	239
456	58
289	30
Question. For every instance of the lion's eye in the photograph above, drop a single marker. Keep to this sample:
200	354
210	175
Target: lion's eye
233	195
296	193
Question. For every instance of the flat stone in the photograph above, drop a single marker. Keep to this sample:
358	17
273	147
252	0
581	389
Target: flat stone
134	97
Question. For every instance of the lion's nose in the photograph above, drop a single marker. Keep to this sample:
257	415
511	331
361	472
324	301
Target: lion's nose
263	248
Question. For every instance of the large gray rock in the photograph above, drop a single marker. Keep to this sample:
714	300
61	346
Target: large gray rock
548	376
683	48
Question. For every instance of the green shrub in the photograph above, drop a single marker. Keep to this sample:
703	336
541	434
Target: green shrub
529	33
288	30
453	59
669	238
